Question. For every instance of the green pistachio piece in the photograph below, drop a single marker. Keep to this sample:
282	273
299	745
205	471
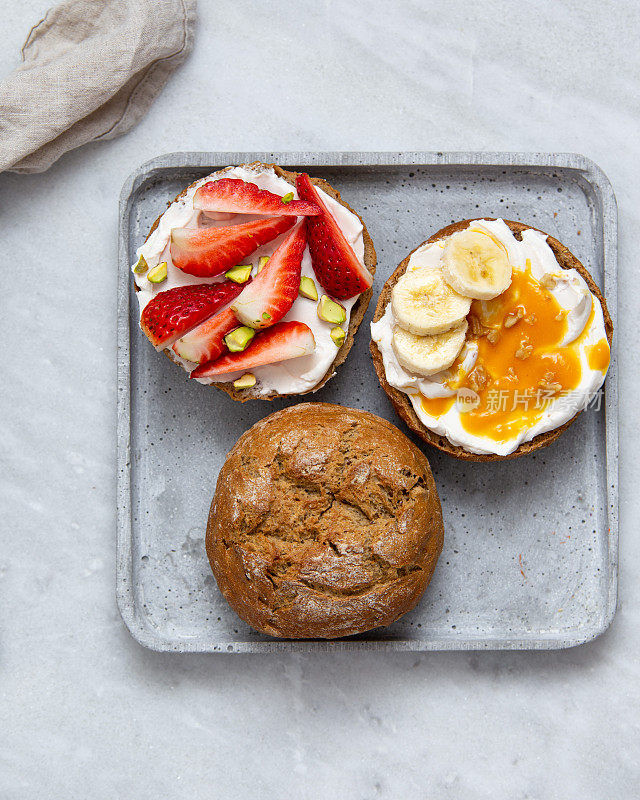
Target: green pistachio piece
141	267
158	274
262	264
245	382
239	338
288	197
239	274
330	311
308	288
266	316
338	335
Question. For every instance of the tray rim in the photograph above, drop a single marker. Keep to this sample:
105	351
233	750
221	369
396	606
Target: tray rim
584	167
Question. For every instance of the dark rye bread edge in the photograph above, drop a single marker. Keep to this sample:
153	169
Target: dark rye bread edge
401	401
357	311
332	611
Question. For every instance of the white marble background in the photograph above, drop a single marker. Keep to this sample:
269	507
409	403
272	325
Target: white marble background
86	712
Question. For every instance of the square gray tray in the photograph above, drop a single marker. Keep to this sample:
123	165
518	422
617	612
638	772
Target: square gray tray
531	546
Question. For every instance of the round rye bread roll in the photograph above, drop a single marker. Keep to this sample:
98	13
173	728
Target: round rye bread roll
357	312
325	522
401	401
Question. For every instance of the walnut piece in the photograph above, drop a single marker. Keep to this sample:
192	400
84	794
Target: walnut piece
514	316
525	350
549	384
475	326
478	378
477	330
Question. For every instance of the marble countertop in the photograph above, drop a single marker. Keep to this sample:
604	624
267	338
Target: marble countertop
84	710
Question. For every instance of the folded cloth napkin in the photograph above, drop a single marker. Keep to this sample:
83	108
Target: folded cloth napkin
91	69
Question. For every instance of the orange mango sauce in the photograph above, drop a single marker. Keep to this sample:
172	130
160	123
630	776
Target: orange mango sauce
437	406
599	355
514	391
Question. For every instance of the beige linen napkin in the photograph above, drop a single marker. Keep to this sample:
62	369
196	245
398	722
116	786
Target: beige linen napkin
91	69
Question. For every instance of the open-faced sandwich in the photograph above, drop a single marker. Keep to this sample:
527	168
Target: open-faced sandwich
490	338
255	279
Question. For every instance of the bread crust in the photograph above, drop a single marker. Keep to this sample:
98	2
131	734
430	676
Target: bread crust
325	522
402	403
358	310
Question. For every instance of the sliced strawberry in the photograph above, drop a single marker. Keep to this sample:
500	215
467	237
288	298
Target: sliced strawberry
240	197
173	313
206	342
336	265
274	290
210	251
281	342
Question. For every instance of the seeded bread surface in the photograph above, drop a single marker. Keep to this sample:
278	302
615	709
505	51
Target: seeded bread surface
401	401
325	522
358	309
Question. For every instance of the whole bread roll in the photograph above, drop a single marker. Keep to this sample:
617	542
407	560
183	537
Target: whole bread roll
325	522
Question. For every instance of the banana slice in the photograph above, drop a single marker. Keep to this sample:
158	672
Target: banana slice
423	303
475	265
426	355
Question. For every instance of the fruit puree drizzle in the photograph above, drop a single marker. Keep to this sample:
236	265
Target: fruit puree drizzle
527	384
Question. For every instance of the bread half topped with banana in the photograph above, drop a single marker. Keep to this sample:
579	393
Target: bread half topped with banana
490	338
255	279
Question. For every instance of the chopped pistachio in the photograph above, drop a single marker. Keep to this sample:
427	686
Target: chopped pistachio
245	382
158	274
308	288
239	338
239	274
141	267
262	264
330	311
338	335
265	315
288	197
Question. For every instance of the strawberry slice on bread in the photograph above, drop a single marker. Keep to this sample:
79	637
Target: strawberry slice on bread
336	266
273	291
174	312
235	196
281	342
211	251
206	342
